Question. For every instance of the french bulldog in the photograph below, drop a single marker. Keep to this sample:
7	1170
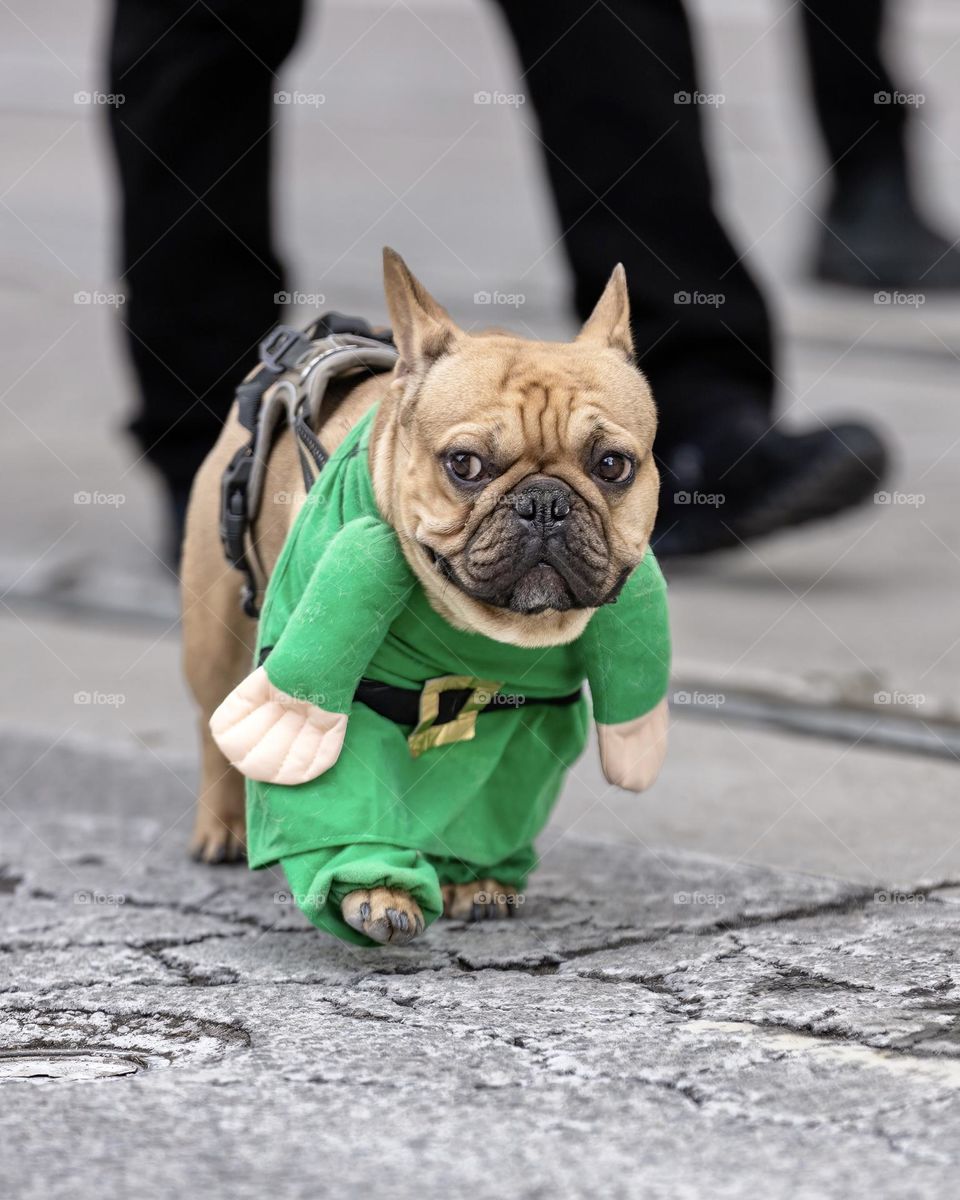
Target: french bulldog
519	478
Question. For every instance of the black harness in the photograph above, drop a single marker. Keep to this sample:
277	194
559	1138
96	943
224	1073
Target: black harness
288	364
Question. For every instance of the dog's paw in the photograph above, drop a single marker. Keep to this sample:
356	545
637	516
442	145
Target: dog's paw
275	738
481	900
386	915
216	840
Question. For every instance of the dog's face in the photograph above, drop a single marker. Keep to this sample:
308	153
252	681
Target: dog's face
519	474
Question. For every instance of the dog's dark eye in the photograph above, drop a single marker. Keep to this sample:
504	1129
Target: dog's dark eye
468	467
614	468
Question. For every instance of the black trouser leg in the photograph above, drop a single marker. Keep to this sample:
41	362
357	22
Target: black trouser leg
628	170
847	72
192	140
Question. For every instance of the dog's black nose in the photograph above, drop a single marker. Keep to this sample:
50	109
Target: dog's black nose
546	502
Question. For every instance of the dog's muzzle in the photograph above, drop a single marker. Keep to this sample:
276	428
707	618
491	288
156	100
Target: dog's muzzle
542	548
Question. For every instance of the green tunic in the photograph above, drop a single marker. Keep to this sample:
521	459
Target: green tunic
343	604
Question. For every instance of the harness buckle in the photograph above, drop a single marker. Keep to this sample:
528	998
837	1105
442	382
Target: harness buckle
281	348
463	726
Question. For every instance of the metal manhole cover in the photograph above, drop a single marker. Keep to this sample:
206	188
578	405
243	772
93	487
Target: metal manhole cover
77	1045
66	1064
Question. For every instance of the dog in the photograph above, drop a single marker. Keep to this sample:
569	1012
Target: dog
519	480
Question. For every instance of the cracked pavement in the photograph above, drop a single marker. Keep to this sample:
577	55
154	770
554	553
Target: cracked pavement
652	1022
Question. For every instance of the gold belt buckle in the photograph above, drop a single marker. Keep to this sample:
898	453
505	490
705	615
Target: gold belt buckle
463	727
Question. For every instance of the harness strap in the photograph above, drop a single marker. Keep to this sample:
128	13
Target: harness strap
290	380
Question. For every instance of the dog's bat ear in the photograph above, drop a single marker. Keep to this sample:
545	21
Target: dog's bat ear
422	329
609	323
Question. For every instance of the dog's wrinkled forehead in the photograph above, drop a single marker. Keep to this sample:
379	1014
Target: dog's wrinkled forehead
526	398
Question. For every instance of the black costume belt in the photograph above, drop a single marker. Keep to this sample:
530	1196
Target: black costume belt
446	709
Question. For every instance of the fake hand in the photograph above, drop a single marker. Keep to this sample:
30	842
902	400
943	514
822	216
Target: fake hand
632	752
275	738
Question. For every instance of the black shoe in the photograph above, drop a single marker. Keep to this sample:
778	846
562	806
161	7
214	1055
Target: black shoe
873	237
776	481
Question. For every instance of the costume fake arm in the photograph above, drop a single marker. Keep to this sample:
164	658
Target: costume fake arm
285	723
627	648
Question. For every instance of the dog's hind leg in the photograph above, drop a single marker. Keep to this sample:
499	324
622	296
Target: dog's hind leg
218	647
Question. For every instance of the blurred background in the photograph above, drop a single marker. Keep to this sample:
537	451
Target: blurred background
817	724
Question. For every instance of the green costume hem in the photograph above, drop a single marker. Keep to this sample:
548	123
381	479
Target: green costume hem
320	879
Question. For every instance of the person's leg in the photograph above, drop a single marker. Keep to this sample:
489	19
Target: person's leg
873	235
615	88
626	163
391	876
192	141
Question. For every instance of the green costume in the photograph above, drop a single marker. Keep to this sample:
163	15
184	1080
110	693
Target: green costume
343	604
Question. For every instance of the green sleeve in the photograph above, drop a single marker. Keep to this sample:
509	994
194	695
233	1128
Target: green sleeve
626	648
358	587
